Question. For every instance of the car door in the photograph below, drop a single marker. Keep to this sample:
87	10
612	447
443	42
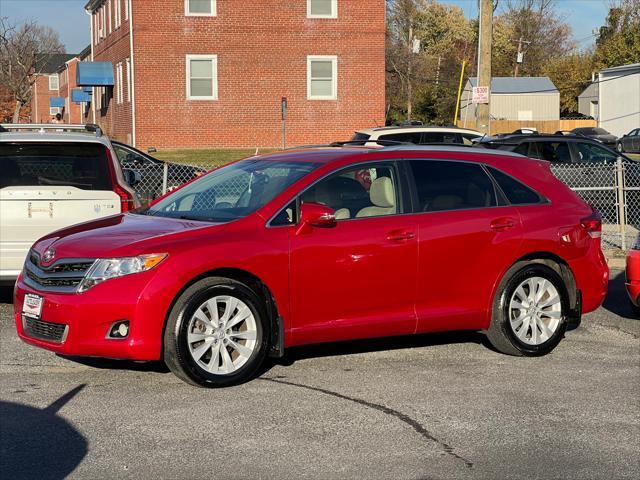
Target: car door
634	141
356	279
467	235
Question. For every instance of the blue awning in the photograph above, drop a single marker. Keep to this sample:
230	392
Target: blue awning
56	102
78	95
95	74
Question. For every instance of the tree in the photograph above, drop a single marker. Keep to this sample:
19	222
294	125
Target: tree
24	51
536	22
571	74
422	85
618	41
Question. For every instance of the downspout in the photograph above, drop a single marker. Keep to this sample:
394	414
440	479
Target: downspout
69	92
133	76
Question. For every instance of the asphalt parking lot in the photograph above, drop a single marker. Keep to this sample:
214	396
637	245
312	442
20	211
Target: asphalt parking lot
426	407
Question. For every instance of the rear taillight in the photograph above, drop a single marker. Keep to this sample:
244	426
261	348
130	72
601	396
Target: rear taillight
592	224
126	199
127	202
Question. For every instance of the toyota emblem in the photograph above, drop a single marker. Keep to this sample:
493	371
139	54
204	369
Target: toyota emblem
48	255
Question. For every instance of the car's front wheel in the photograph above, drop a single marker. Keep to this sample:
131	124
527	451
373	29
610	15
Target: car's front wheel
529	316
620	148
216	334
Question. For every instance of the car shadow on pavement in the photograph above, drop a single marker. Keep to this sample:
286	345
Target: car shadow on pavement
38	443
112	364
381	344
6	294
617	301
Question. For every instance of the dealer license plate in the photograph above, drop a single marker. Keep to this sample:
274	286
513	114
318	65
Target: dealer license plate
32	305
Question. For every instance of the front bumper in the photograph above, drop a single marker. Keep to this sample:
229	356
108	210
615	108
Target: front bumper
87	318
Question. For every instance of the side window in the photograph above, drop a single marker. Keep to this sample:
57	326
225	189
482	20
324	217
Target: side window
286	216
588	152
358	192
522	149
516	192
439	137
402	137
443	185
554	152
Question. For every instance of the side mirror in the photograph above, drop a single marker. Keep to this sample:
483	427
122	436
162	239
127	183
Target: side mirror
316	215
132	177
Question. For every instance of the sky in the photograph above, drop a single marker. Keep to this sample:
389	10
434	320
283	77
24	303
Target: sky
70	20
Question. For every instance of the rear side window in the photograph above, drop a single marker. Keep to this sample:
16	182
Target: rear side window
556	152
440	137
443	185
516	192
402	137
80	165
360	137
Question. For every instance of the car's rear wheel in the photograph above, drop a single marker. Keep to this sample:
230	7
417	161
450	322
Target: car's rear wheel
216	334
530	311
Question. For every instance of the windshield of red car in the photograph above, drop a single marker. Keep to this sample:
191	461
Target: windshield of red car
231	192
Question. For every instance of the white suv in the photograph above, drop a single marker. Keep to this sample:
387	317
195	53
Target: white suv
417	134
53	176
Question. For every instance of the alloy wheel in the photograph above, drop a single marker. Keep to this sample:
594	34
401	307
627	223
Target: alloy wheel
535	310
222	334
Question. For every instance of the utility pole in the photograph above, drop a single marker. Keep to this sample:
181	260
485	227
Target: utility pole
484	62
520	57
409	89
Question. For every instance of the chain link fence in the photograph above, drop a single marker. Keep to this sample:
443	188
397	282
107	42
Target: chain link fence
612	189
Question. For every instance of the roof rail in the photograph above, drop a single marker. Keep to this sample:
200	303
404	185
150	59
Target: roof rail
42	127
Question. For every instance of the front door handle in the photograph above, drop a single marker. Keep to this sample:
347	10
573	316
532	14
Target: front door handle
400	235
501	224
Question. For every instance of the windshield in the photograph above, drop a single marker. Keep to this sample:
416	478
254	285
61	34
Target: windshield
230	192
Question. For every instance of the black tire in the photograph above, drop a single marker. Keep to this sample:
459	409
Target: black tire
620	148
500	332
635	310
176	351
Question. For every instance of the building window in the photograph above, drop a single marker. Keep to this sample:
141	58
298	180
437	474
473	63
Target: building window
200	8
109	15
118	14
54	82
322	8
126	9
202	77
322	77
54	110
120	84
128	79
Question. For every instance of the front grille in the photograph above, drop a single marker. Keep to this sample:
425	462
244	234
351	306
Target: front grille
51	332
63	275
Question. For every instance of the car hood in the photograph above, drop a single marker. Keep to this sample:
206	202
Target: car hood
121	235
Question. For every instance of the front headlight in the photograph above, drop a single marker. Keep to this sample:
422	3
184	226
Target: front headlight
107	268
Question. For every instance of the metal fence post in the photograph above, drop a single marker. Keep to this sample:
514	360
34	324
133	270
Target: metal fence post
165	177
622	218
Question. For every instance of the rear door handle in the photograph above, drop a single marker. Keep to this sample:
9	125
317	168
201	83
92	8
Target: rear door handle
501	224
400	235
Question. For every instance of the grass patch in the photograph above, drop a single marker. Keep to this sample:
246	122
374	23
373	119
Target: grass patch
206	157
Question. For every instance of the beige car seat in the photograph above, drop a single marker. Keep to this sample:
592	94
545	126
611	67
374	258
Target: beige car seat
383	196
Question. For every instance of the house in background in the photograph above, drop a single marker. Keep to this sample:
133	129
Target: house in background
619	99
74	110
588	101
515	98
205	73
46	100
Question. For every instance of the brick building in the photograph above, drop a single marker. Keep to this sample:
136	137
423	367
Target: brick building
202	73
47	86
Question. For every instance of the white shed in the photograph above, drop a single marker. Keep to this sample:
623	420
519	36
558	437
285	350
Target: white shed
619	98
515	98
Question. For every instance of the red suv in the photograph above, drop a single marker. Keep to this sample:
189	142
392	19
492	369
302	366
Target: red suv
320	245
